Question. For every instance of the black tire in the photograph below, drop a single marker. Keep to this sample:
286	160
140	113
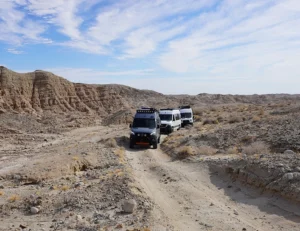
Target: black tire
155	145
131	145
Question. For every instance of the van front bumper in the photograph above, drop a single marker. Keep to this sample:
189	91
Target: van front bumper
143	138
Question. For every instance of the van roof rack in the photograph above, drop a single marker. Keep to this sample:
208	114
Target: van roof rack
146	110
167	109
185	107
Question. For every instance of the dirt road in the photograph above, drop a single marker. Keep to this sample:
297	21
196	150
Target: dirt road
193	198
186	196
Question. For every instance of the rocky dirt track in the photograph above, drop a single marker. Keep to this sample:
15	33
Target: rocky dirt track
82	179
194	196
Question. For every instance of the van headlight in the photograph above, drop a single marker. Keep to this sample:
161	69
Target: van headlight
152	134
132	133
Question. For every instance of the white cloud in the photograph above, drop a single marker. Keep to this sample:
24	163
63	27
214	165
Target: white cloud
239	45
14	51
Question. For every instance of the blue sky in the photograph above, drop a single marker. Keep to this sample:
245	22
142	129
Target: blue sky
170	46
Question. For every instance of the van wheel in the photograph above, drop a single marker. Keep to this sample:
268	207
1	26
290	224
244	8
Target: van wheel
155	145
131	145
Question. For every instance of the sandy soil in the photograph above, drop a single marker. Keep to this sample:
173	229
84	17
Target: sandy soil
170	195
194	198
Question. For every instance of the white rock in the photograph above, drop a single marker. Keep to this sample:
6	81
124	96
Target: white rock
78	217
129	206
34	210
289	152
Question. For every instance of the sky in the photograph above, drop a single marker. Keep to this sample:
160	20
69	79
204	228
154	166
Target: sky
170	46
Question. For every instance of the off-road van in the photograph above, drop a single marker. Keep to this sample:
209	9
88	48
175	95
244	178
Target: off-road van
145	129
170	120
187	116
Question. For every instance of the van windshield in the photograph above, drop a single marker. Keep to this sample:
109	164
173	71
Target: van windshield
165	117
143	123
186	115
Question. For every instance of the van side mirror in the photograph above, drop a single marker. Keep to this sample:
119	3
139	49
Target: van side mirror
130	125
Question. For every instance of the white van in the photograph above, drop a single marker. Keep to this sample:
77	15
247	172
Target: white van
170	120
187	116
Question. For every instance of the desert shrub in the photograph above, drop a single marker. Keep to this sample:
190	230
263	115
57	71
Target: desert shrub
197	118
121	154
65	188
214	109
220	119
206	150
112	143
261	112
198	111
14	198
210	121
184	152
255	118
232	150
248	139
235	119
256	148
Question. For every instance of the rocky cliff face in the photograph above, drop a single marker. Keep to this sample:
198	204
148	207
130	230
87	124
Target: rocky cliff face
40	91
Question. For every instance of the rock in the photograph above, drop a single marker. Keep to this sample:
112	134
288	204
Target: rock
78	217
119	226
129	206
23	226
34	210
235	212
288	176
289	152
17	177
1	186
79	184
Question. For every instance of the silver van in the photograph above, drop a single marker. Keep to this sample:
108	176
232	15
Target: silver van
145	129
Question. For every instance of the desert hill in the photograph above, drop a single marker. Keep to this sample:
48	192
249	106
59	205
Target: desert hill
40	91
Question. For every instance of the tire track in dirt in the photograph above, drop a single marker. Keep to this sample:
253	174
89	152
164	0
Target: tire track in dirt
184	192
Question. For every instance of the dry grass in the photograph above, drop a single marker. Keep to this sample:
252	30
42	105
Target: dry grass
248	139
261	112
235	119
120	152
65	188
185	152
75	158
198	111
13	198
111	143
210	121
206	150
256	148
232	150
197	118
255	118
2	193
